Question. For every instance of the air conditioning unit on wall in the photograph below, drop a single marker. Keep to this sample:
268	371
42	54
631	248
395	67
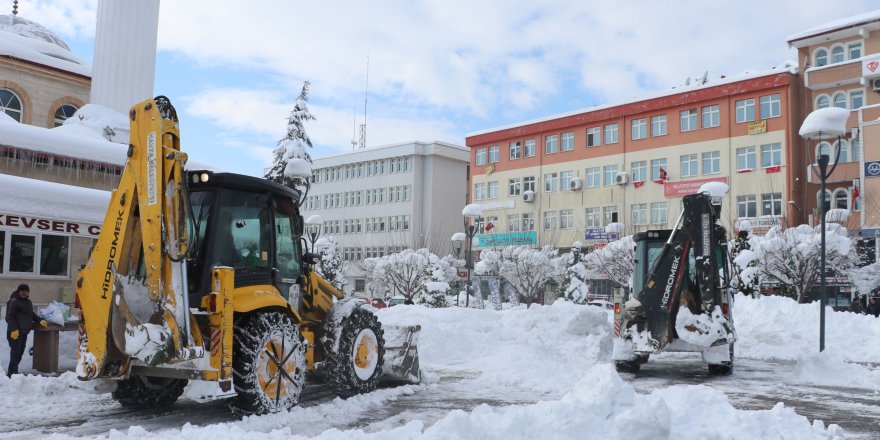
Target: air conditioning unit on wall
529	196
875	84
575	184
621	178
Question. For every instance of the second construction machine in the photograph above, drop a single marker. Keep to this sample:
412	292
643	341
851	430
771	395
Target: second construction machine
679	300
201	275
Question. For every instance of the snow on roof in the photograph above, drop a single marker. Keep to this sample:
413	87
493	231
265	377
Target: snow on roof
786	66
51	200
72	142
825	123
29	41
854	20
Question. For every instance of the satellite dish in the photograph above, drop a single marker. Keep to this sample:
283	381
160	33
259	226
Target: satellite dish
705	77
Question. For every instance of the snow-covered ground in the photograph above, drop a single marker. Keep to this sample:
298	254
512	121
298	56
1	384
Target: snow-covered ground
542	372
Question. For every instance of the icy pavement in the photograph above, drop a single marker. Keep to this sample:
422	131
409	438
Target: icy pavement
524	373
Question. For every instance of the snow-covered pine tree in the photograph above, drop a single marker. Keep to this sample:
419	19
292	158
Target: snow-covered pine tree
332	267
573	283
295	143
747	285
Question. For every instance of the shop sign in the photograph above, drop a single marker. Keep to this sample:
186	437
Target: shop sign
528	238
36	224
600	234
686	187
871	66
501	204
872	169
758	127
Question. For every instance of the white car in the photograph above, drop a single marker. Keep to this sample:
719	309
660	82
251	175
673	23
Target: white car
601	303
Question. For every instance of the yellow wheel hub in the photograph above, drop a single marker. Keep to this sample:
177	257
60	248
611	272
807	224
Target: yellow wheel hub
362	353
273	381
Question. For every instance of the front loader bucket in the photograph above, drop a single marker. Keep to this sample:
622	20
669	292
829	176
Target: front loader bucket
401	354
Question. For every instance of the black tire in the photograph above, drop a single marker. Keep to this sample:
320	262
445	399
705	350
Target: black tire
356	365
722	369
263	341
632	366
148	392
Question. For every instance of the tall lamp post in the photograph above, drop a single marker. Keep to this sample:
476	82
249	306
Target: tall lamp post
457	245
471	213
313	229
825	123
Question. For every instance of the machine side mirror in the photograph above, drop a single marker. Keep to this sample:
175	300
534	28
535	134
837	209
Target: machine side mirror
312	258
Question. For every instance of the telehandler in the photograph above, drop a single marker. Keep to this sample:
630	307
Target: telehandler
202	275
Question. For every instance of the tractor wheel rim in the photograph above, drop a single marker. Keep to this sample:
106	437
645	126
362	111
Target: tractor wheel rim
365	354
276	368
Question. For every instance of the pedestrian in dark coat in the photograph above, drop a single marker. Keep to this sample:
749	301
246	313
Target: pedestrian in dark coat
20	320
856	306
874	307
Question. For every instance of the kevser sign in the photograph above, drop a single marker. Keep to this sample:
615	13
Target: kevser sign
36	224
872	169
527	238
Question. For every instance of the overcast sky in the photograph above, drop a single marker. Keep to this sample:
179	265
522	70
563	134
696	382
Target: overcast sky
438	69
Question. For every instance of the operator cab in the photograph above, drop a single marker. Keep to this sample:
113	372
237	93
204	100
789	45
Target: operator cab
247	223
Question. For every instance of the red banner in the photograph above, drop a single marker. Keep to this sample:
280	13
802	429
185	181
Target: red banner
683	188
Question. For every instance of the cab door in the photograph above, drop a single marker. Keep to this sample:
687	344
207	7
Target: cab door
288	255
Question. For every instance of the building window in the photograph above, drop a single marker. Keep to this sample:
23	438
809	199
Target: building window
492	188
38	254
593	177
856	99
639	128
827	203
745	158
711	116
688	120
840	199
481	160
770	106
513	223
514	187
568	141
771	155
564	179
658	125
824	148
594	137
855	50
594	218
10	104
856	147
529	183
746	206
528	222
658	169
611	134
529	148
549	220
820	57
639	171
837	54
689	165
551	183
745	110
551	144
658	213
771	204
839	99
609	215
493	154
64	112
712	162
610	172
639	214
843	155
566	219
822	101
479	191
515	150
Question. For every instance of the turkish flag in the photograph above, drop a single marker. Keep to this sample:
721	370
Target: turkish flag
638	184
489	226
855	192
773	169
662	174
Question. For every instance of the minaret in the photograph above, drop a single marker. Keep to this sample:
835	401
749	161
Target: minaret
125	53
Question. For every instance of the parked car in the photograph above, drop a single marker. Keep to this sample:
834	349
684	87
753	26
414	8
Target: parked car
601	303
378	303
395	301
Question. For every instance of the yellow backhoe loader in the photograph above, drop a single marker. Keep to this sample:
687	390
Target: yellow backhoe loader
202	275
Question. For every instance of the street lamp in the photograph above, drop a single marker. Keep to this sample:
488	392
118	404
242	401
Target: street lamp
471	213
825	123
313	229
457	245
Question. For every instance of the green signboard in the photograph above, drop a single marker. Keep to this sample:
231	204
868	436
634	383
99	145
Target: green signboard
528	238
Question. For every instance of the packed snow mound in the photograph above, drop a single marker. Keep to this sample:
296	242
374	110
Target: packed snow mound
775	327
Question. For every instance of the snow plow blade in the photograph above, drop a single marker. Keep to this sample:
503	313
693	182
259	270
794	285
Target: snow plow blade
401	362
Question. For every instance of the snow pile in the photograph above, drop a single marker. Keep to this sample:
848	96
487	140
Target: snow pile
99	121
774	327
815	369
702	330
38	198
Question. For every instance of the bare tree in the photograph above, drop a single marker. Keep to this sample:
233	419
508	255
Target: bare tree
524	268
616	260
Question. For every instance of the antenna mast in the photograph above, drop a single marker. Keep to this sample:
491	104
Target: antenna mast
363	140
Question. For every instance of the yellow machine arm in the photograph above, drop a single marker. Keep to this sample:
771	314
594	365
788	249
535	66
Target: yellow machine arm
133	289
